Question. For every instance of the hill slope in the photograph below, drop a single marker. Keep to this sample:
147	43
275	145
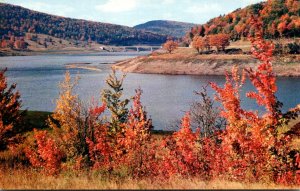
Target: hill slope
281	18
16	21
170	28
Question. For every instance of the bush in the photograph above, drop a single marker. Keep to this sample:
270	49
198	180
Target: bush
11	119
293	48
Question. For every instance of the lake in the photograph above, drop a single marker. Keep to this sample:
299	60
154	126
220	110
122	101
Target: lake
166	97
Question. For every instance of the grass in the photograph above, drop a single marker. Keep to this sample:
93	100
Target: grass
36	119
31	179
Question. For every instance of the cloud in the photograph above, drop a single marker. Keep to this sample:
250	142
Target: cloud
204	8
114	6
168	2
56	9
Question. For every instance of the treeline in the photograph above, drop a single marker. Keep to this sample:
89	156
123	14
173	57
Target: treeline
280	19
248	146
16	21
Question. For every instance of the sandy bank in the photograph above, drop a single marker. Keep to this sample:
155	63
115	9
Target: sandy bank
203	64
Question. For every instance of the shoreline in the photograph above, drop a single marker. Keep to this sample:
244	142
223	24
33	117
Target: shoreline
180	63
210	65
47	52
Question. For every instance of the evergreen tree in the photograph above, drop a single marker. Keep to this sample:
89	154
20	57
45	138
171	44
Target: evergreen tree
112	99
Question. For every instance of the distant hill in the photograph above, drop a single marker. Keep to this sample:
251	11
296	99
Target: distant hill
170	28
281	18
16	21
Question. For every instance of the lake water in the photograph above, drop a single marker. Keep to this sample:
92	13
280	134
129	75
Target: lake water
166	97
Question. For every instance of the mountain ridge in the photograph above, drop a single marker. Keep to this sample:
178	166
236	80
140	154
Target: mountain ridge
16	20
167	27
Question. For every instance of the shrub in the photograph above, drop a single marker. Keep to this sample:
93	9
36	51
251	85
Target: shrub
205	116
294	48
45	153
11	118
254	149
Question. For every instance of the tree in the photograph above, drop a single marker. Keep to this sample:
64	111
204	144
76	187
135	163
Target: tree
181	155
170	46
254	147
71	123
137	138
198	43
10	115
112	99
205	116
220	41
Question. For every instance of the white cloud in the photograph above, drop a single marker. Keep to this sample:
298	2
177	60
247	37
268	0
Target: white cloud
204	8
57	9
168	2
117	6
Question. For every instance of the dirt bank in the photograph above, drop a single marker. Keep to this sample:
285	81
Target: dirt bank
194	64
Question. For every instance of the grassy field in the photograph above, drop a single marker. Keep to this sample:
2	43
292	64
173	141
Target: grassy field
31	179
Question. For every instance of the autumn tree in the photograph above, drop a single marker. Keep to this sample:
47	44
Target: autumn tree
137	141
20	44
181	157
198	43
10	115
170	46
254	148
44	153
220	41
71	122
101	151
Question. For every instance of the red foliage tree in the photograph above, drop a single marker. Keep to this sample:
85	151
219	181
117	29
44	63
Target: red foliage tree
199	43
170	46
220	41
253	148
182	151
137	139
10	115
45	153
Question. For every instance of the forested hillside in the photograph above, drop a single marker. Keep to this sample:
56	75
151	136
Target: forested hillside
280	19
15	21
171	28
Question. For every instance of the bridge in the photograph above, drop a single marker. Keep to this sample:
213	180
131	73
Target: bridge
140	48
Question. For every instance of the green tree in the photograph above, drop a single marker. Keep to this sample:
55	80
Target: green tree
112	99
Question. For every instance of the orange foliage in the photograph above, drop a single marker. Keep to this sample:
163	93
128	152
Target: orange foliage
220	41
137	139
199	43
254	150
10	116
45	153
182	151
170	46
250	148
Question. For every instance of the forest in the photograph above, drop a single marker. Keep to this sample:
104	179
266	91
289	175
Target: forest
280	19
16	21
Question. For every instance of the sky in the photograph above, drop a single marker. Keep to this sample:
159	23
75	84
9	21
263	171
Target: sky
133	12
